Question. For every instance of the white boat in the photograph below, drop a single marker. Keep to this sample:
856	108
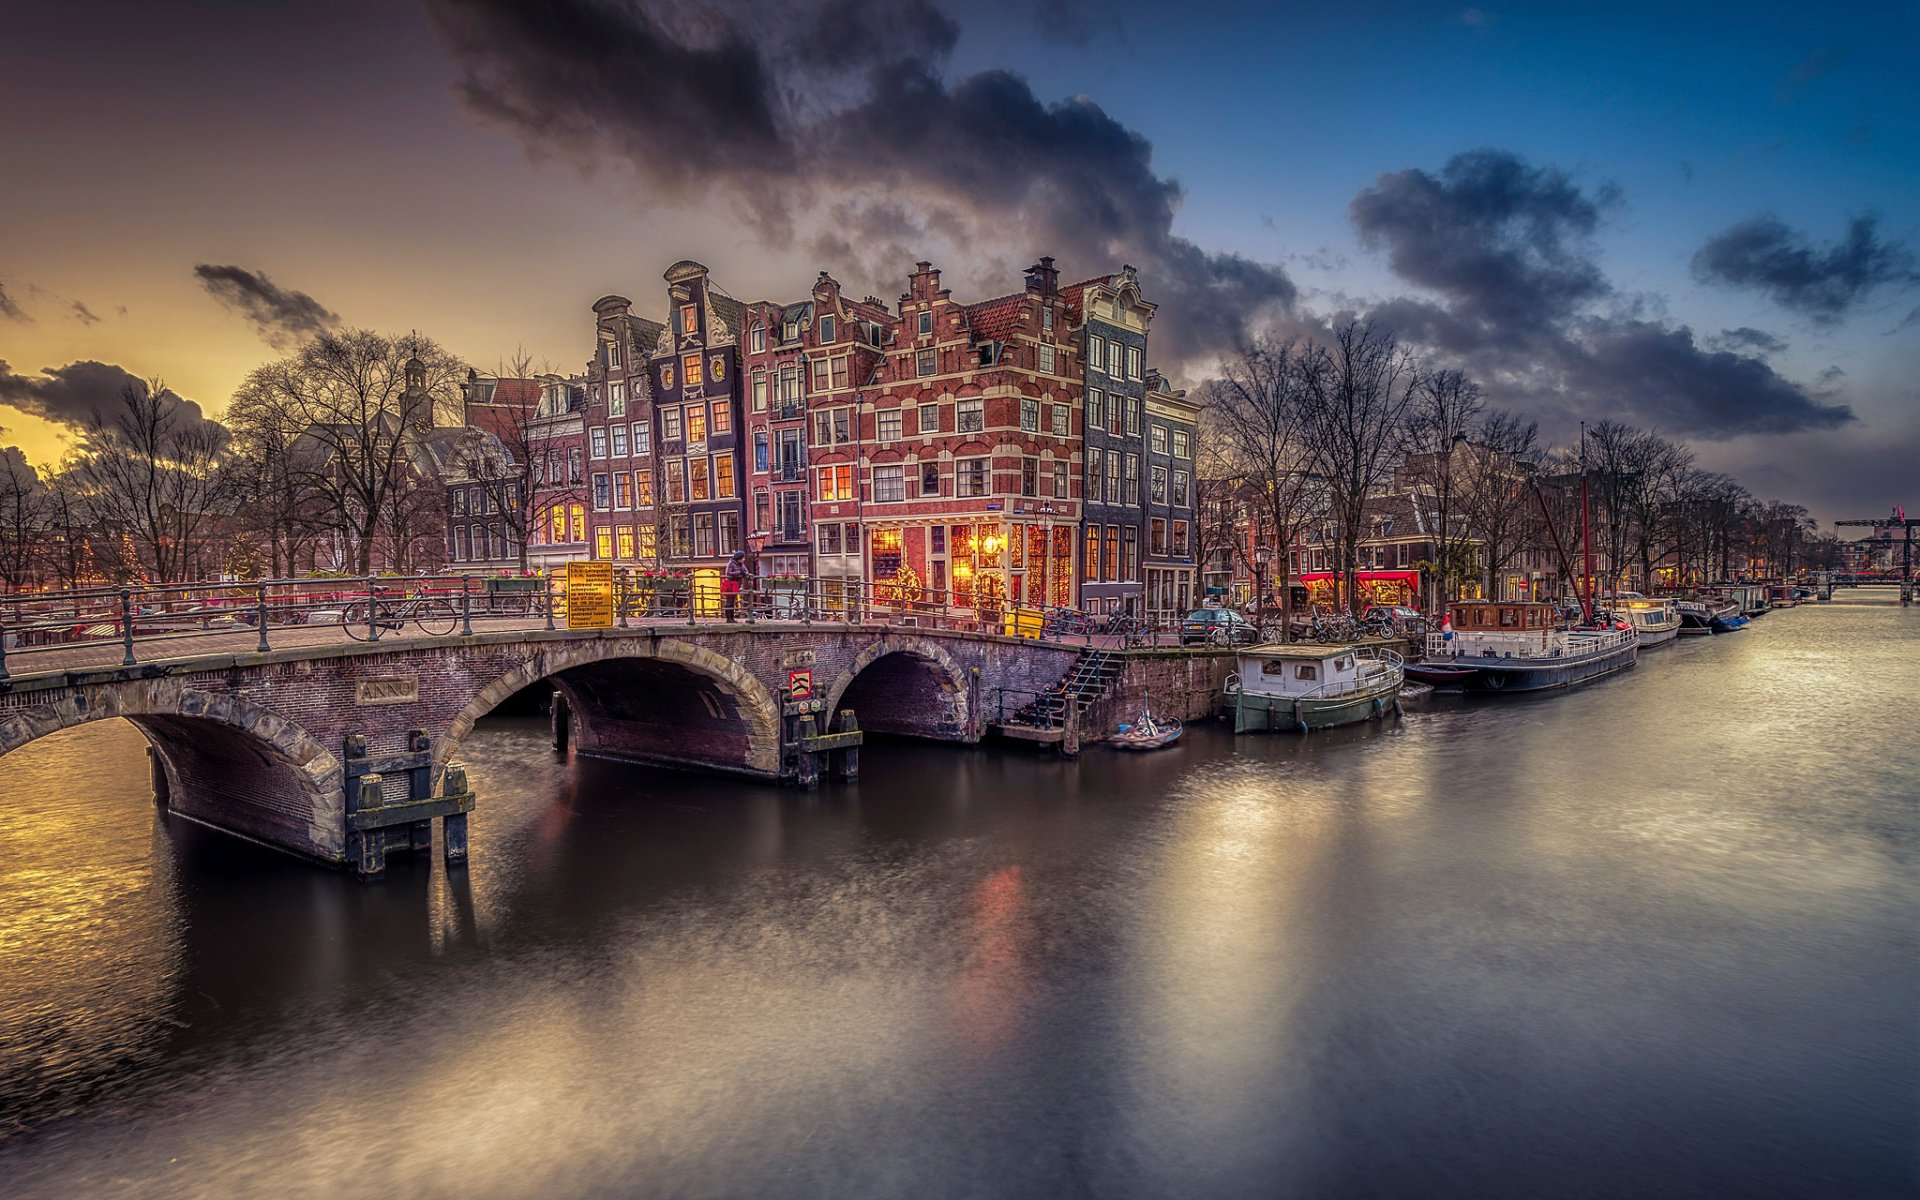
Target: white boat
1299	687
1656	622
1524	648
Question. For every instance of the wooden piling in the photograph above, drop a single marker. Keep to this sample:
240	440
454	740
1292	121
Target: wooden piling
562	721
848	767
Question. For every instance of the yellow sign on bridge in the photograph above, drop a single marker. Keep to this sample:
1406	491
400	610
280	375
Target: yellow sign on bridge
589	595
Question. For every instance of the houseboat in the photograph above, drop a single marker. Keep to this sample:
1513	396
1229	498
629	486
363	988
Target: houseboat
1695	616
1655	622
1524	648
1298	688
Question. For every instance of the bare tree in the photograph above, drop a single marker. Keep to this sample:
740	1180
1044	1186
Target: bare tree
151	472
23	513
1494	483
1440	422
1254	436
356	456
1355	395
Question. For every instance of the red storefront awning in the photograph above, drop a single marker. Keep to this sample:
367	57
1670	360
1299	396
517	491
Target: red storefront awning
1408	578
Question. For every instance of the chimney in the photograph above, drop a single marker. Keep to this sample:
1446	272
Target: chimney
1042	279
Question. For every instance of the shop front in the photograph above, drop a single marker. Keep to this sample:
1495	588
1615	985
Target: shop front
981	565
1369	587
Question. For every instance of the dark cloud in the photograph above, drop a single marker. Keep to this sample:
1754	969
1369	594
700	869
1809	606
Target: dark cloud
1818	282
1524	306
1908	322
9	309
83	314
811	149
282	316
73	394
1747	339
1504	240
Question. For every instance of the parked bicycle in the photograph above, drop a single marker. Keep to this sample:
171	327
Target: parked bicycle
435	616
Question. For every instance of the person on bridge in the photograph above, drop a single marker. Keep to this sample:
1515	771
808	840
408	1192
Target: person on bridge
730	581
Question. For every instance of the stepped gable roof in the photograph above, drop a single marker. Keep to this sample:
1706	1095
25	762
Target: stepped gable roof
995	320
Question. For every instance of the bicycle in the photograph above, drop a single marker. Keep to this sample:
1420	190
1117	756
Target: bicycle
363	620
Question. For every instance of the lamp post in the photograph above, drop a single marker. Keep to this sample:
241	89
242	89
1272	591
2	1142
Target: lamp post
1261	557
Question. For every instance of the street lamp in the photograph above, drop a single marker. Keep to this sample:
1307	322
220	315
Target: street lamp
1261	557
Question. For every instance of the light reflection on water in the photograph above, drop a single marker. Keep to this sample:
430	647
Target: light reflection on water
1652	937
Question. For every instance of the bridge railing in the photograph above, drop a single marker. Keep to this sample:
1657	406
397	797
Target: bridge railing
144	622
150	620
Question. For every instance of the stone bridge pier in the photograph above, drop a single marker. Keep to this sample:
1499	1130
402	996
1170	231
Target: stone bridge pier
346	752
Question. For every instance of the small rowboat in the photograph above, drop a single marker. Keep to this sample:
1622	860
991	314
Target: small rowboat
1438	675
1148	733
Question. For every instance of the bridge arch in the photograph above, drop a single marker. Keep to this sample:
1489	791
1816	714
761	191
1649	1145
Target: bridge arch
907	685
228	762
631	700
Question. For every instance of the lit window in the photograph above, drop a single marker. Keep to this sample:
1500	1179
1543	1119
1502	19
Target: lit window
722	417
699	480
696	418
690	369
723	481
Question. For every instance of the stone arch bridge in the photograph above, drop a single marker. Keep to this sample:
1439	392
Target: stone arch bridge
342	751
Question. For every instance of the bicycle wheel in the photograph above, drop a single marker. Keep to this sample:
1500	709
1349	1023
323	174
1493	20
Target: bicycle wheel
353	619
436	617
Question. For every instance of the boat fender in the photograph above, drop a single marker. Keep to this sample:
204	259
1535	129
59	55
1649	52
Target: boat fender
1496	682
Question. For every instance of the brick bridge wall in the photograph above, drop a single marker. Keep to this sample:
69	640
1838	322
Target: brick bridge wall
252	743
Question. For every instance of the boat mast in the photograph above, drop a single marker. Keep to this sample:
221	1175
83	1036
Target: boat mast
1586	528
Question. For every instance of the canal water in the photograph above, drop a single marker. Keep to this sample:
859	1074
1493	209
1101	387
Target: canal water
1652	938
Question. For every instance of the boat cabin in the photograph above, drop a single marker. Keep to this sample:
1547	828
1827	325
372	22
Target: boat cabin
1492	617
1300	670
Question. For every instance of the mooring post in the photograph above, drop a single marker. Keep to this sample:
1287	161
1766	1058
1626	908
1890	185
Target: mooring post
562	720
420	787
454	827
1070	734
466	606
849	768
367	848
157	767
809	760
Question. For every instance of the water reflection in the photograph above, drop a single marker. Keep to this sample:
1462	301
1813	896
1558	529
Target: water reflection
1653	937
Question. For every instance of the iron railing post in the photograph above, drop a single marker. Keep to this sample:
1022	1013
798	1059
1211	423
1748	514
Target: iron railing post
3	648
548	584
262	588
620	593
693	595
373	607
466	606
126	625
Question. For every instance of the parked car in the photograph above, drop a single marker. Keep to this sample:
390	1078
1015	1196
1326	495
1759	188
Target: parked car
1217	627
1401	617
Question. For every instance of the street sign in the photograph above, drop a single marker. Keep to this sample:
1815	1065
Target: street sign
589	595
800	685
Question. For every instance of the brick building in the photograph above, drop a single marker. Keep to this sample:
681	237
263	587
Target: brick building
962	467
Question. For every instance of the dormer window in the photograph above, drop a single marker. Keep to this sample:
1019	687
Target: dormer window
613	354
689	318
